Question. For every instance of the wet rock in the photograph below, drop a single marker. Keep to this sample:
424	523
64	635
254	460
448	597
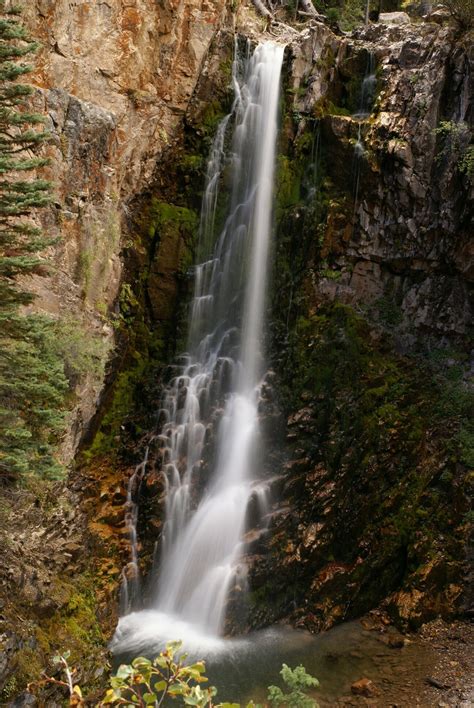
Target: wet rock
396	642
440	15
363	687
437	684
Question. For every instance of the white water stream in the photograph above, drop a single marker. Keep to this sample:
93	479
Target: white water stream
215	394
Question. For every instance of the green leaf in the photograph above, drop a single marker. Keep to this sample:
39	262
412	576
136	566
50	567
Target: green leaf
149	698
124	671
141	662
177	689
160	686
172	647
117	682
199	666
111	696
161	661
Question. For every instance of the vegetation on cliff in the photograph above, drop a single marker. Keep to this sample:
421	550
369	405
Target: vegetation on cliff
32	379
41	357
378	442
349	14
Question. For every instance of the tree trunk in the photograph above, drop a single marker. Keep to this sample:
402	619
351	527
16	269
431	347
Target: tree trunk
308	7
261	8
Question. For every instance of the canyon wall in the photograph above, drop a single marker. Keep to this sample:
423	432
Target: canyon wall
371	331
369	315
114	80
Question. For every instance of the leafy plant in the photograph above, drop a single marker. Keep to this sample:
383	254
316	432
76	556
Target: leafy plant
298	681
457	145
147	682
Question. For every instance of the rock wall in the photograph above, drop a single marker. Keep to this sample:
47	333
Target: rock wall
115	79
370	434
405	235
370	331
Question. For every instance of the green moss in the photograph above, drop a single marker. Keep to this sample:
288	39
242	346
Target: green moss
123	403
225	68
210	119
28	668
74	627
325	107
390	312
334	110
170	213
161	214
288	183
191	163
331	274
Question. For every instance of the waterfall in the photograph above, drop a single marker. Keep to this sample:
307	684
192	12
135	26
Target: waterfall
210	432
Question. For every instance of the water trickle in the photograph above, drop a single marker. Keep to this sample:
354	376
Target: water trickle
367	92
130	590
210	433
366	102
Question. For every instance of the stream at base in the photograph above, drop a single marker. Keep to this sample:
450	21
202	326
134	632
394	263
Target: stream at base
243	667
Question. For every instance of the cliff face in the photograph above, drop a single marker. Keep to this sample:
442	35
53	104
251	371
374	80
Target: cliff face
370	308
115	79
371	339
410	223
369	318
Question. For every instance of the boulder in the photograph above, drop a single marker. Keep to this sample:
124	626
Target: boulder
394	18
363	687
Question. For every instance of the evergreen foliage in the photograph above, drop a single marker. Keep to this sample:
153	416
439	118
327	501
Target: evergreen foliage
32	379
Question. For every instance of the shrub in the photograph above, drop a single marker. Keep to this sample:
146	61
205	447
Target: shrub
297	680
147	682
462	11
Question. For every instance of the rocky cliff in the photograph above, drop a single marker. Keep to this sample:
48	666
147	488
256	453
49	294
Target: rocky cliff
115	79
368	395
371	329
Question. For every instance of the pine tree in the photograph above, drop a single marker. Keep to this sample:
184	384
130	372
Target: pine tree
32	380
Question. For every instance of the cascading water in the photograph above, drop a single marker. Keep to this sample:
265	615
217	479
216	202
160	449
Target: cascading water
366	102
202	544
